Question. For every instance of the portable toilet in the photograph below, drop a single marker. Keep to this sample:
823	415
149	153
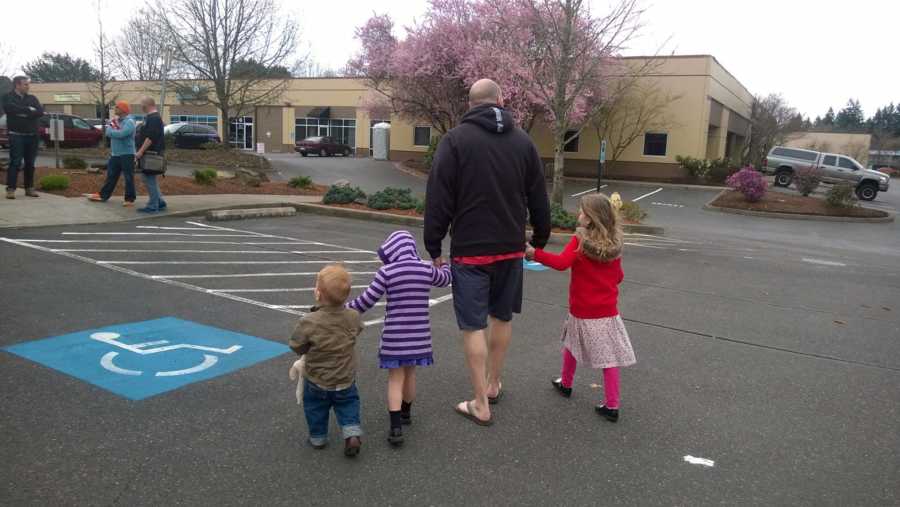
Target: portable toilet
381	141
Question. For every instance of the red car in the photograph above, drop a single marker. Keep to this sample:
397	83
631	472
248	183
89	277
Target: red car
323	146
78	133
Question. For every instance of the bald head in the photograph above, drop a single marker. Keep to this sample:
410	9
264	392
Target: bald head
484	91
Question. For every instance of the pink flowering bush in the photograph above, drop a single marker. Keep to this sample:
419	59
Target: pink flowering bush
749	182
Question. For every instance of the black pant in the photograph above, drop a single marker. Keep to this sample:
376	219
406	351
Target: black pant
116	165
22	148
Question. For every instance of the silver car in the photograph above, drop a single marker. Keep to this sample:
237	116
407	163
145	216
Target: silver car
784	162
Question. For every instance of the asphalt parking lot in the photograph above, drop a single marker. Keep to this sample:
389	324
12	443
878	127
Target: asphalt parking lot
772	362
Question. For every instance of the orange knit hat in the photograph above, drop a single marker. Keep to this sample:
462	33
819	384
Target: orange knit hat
123	106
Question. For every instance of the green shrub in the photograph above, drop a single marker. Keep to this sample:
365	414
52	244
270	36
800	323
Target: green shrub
393	198
343	195
54	182
632	212
300	182
698	168
429	155
205	176
420	207
841	195
807	180
71	162
561	218
214	146
719	170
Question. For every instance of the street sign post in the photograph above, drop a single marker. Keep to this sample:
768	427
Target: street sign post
601	162
57	133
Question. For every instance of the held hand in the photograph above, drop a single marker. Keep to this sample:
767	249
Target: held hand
438	262
529	252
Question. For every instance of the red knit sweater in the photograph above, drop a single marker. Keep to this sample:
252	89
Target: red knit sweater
594	285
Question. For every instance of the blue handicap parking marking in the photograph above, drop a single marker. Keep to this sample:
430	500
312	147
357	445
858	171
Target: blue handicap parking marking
534	266
143	359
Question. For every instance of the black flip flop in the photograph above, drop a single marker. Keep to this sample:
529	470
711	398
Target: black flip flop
468	414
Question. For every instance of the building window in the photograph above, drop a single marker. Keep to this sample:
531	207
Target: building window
655	144
572	145
343	130
209	121
422	136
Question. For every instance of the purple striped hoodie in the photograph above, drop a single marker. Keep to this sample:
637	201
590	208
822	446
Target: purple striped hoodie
407	280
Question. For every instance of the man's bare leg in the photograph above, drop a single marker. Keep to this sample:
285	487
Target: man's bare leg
501	335
475	345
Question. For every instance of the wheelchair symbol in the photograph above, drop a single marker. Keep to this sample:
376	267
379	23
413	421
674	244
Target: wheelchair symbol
146	348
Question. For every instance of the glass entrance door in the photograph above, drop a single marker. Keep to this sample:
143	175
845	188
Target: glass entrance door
240	134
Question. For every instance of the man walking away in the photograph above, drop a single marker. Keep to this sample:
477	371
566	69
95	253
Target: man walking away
150	140
485	179
22	114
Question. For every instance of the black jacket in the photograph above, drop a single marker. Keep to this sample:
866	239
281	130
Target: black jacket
485	180
152	129
22	113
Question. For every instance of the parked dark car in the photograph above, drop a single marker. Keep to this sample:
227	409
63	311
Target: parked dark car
77	134
322	146
191	135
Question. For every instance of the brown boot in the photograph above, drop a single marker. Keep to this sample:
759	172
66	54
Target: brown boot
351	446
10	194
31	193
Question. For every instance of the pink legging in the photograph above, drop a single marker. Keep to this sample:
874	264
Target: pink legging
610	378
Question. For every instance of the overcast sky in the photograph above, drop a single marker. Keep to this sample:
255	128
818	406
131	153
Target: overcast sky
815	53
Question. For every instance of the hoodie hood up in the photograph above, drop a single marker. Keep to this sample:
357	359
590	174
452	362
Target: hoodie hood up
398	246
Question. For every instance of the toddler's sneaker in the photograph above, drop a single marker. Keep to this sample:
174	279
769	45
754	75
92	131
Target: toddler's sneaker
395	437
565	392
611	414
352	446
317	443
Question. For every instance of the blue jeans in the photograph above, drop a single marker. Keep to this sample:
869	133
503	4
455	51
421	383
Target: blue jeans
22	148
119	164
155	201
317	404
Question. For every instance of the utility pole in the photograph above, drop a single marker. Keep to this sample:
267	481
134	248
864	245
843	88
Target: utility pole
167	61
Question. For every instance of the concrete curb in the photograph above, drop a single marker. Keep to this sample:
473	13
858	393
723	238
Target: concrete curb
241	214
794	216
377	216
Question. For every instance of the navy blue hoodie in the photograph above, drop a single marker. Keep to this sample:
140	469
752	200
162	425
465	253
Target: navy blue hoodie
486	180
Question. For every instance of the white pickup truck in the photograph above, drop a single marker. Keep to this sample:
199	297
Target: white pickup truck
784	162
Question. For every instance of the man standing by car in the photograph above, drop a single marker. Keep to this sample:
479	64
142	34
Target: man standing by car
151	143
22	114
485	179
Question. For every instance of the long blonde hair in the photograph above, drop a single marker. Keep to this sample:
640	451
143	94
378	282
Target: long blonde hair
601	238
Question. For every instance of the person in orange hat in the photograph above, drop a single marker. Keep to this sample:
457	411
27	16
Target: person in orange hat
121	133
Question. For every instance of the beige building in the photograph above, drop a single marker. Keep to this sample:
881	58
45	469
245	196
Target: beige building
709	119
853	145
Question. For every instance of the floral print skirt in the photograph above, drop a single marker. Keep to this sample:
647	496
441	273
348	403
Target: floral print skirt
598	343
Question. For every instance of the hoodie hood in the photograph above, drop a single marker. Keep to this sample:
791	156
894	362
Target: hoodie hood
492	118
398	246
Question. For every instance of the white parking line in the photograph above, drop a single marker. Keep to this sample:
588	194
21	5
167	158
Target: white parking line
260	252
658	190
148	277
247	275
286	289
588	191
822	262
155	241
156	234
239	262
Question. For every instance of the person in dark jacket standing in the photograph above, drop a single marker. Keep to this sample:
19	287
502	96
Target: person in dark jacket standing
150	139
486	180
22	114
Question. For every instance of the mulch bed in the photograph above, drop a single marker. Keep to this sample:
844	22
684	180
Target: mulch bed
82	182
778	202
219	158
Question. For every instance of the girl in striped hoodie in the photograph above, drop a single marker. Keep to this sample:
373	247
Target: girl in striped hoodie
406	338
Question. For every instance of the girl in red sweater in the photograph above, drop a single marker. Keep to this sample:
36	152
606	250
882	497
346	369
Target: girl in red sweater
594	332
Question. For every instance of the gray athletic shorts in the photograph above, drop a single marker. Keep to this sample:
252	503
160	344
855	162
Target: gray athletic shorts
482	290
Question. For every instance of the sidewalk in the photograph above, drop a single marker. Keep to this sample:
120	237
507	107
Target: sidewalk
52	209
